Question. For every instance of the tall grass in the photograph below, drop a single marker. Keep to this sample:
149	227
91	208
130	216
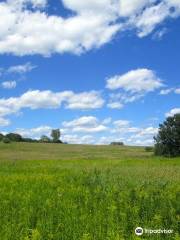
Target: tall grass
100	193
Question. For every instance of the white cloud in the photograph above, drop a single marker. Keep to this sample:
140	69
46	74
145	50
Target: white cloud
4	122
85	100
172	112
47	99
170	90
166	91
128	8
177	90
85	124
159	34
135	81
34	132
9	84
94	23
132	86
77	139
115	105
141	142
21	68
121	123
150	18
107	120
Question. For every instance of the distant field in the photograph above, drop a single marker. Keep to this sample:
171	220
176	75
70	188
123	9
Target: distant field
77	192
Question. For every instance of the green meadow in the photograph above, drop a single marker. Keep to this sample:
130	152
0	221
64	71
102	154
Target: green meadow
78	192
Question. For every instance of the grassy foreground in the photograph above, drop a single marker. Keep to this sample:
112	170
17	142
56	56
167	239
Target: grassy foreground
71	192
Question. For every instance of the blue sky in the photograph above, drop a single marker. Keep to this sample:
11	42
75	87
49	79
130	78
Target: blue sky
100	71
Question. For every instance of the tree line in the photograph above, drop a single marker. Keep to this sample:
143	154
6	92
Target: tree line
15	137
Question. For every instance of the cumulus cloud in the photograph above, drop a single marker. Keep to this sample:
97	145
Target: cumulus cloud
51	100
9	84
166	91
115	105
132	86
30	29
34	132
177	90
4	122
169	90
139	80
21	69
85	100
172	112
85	124
77	139
133	135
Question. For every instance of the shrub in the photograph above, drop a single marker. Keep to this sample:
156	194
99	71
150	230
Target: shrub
6	140
45	139
117	143
149	149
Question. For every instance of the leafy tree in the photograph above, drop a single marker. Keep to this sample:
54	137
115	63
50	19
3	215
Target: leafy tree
167	142
55	134
45	139
14	137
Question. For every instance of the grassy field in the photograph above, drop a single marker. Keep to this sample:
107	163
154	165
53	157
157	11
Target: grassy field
71	192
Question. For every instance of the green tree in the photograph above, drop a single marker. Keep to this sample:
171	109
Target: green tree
167	142
45	139
55	134
14	137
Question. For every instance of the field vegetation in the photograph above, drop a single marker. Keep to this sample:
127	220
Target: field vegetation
76	192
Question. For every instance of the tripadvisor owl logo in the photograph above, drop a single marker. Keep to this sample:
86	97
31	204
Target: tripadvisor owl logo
139	231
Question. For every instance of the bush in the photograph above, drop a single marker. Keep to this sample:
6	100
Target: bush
168	138
117	143
45	139
6	140
149	149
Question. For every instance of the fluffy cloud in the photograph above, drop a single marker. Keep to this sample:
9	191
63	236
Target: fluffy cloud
85	124
132	86
169	90
115	105
47	99
77	139
177	90
166	91
85	100
21	69
31	30
172	112
9	84
34	132
139	80
4	122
